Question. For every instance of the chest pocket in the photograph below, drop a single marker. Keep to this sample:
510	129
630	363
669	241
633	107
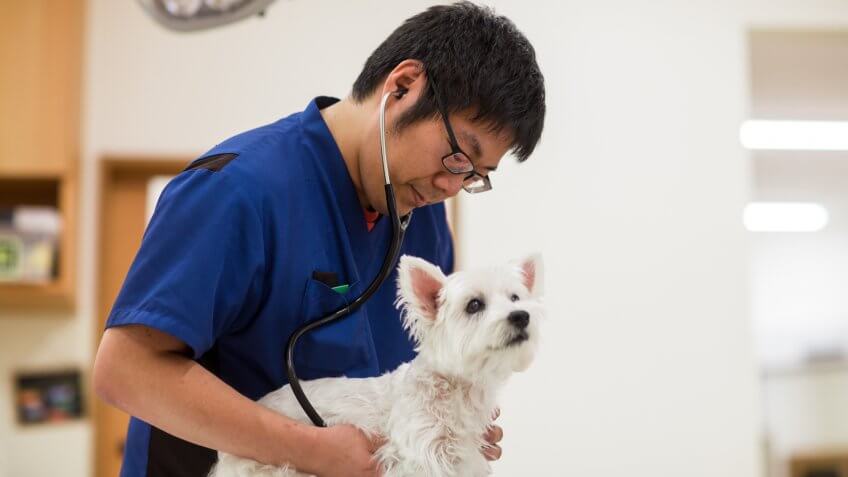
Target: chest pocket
340	348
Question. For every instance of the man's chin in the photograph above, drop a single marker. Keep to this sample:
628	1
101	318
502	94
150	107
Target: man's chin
404	209
401	208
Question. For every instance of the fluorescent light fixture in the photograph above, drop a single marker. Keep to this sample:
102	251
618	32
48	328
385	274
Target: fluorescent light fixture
785	217
794	135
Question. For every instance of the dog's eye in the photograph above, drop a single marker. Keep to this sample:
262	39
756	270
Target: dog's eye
474	306
514	297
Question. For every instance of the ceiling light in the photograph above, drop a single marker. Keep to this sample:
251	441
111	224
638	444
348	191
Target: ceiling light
795	135
785	217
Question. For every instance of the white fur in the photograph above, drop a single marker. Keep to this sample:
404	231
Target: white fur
434	410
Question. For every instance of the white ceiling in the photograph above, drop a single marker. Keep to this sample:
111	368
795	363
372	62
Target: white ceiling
799	74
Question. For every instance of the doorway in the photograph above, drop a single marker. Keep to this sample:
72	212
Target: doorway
127	187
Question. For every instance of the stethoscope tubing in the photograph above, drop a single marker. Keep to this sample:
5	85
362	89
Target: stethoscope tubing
399	226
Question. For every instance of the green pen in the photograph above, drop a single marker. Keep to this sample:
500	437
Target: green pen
341	289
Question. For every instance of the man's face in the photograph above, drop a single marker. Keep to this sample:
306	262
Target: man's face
415	158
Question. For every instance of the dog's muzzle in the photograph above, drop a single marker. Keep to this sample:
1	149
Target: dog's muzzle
519	320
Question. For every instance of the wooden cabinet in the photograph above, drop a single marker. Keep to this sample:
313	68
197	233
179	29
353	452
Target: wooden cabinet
40	89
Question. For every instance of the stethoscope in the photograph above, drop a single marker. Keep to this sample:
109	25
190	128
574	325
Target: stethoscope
399	225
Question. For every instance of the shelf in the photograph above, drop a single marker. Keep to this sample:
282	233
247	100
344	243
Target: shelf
52	191
31	171
34	296
16	191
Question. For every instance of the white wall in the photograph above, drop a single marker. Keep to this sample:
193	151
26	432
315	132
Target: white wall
648	366
36	342
634	198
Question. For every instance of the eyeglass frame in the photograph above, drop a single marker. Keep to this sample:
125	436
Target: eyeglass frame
455	149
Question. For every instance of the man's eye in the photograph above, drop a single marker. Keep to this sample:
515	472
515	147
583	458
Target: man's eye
474	306
514	297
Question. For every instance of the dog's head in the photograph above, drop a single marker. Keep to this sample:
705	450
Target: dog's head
473	323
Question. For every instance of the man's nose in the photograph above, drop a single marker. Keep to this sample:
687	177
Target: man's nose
449	184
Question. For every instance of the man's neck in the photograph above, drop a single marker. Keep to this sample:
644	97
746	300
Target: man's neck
347	121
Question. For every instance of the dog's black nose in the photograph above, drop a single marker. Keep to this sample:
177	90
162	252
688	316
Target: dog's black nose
519	319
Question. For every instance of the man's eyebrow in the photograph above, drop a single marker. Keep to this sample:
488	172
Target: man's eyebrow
475	144
475	147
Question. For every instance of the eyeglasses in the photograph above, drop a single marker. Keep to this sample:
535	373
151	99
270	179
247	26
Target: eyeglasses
458	162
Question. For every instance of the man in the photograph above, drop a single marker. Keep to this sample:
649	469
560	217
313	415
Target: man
257	235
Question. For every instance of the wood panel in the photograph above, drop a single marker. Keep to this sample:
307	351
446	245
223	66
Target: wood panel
40	78
123	199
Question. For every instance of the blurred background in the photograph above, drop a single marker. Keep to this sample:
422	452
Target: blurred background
690	197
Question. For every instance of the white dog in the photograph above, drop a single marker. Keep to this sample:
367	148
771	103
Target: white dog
472	329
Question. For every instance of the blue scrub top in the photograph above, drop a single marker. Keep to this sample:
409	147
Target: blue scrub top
227	266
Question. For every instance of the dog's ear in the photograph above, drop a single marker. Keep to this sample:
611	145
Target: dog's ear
532	273
420	283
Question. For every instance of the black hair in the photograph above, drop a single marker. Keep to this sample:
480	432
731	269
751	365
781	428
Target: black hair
479	61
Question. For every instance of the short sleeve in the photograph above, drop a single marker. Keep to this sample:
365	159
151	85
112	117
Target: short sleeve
199	271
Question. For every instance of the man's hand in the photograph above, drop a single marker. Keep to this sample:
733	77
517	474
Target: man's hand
493	435
347	452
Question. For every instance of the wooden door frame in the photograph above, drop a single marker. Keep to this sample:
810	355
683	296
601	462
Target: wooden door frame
108	170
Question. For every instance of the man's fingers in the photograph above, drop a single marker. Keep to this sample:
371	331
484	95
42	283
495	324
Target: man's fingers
492	452
375	443
493	434
378	471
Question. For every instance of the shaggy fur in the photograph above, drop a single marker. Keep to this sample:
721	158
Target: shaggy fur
434	410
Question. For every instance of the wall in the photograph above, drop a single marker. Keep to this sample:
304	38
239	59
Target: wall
638	188
37	342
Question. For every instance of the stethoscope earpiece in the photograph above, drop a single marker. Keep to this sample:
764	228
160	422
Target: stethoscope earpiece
400	93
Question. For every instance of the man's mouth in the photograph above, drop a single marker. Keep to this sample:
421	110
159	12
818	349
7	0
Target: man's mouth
419	199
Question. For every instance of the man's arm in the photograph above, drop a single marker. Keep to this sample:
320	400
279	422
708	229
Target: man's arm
148	373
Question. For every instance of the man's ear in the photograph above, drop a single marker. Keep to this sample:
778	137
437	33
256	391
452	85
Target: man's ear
532	273
408	76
